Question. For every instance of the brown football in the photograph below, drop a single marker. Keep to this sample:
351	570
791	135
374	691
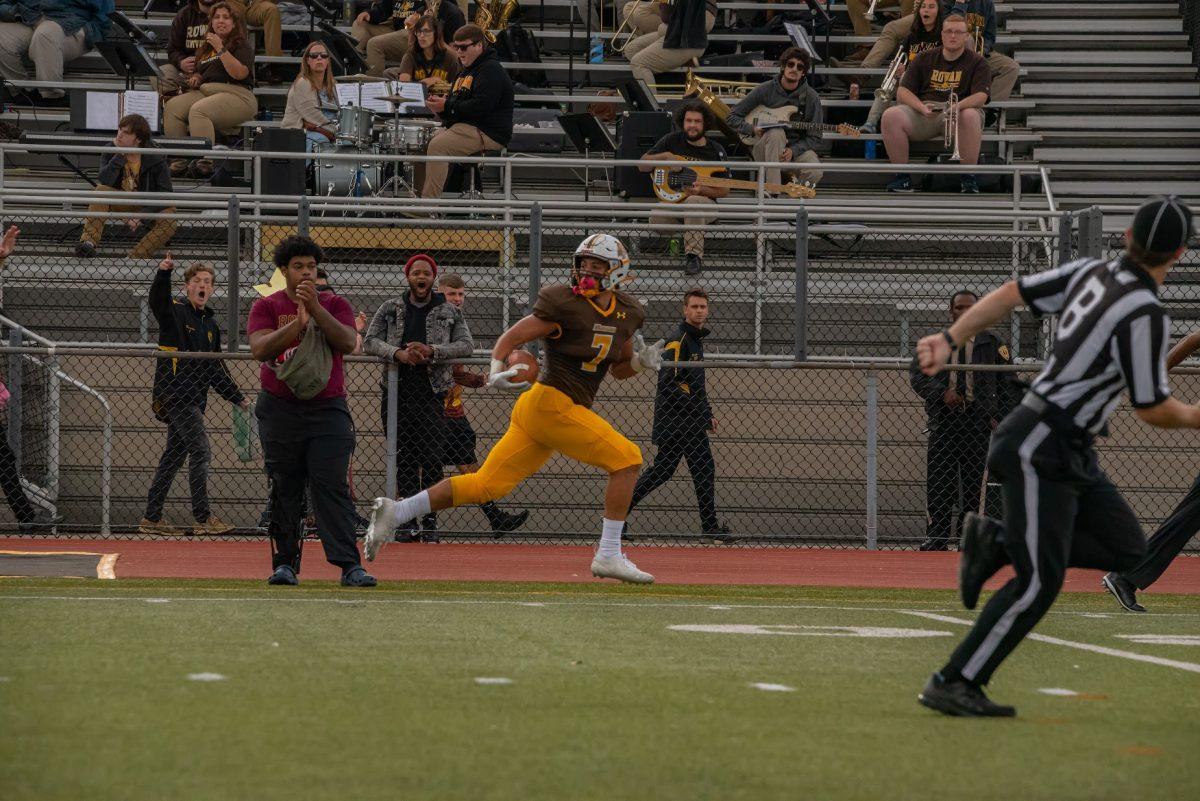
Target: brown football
530	373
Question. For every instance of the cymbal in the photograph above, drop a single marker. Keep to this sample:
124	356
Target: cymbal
398	99
359	78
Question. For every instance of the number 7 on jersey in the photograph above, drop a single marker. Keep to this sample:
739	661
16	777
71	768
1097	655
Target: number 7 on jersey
603	344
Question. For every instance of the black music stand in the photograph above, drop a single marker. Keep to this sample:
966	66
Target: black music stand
637	95
588	136
128	60
343	49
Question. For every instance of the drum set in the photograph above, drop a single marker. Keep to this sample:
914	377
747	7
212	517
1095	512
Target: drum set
361	131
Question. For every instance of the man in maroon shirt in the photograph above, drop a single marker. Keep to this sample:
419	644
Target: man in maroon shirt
306	441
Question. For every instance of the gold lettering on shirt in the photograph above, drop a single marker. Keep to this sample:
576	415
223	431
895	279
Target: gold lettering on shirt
607	329
945	80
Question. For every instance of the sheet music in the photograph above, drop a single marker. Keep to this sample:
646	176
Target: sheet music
348	95
800	39
103	111
414	91
144	103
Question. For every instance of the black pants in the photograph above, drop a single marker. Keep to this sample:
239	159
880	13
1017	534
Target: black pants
308	443
10	480
694	447
187	440
954	463
420	439
1060	511
1171	538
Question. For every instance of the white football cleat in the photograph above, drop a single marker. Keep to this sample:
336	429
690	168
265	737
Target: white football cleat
619	567
379	530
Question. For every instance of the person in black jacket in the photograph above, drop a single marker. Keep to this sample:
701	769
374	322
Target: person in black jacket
682	420
478	113
181	393
963	408
131	172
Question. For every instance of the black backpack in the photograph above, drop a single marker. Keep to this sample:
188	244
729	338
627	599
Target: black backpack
514	43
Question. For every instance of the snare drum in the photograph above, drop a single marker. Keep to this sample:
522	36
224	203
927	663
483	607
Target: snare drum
407	137
354	124
346	178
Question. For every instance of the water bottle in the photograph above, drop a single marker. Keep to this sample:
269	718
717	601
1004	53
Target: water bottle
596	53
673	247
869	146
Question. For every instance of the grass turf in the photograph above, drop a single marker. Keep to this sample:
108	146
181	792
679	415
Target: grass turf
372	694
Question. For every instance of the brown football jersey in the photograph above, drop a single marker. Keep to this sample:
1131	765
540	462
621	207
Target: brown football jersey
589	339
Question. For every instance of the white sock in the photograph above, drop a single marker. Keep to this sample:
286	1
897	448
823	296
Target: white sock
610	538
415	507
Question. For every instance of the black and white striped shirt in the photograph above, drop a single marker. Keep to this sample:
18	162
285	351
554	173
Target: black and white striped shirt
1112	334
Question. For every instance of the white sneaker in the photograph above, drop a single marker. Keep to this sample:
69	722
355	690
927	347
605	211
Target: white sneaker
379	530
619	567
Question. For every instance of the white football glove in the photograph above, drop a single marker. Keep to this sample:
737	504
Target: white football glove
501	378
646	357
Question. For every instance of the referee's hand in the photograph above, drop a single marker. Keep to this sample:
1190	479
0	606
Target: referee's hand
933	352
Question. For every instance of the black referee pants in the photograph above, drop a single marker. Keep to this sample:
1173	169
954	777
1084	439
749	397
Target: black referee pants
695	448
1060	511
308	443
1171	538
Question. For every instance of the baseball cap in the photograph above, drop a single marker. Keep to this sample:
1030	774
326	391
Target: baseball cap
1162	224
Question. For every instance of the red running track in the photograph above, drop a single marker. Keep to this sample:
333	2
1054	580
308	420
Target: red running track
216	559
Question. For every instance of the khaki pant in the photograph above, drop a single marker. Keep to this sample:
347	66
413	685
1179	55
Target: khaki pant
263	14
857	9
693	240
647	55
646	18
926	129
459	139
172	82
381	44
1005	72
771	146
47	46
885	47
211	108
158	235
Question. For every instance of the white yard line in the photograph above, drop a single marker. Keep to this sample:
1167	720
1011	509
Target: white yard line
1081	646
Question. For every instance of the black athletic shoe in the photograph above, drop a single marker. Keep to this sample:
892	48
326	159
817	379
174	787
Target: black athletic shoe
1123	590
357	577
505	522
934	544
85	249
429	529
693	265
980	556
284	576
961	699
409	532
720	534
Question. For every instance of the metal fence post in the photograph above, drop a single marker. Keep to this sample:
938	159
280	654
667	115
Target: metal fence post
15	368
535	264
872	459
233	312
801	311
1064	237
1091	233
302	214
389	447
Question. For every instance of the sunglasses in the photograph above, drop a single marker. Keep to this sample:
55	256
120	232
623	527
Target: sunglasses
318	56
462	47
793	65
425	30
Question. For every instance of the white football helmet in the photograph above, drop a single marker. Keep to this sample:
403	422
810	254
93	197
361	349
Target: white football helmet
608	249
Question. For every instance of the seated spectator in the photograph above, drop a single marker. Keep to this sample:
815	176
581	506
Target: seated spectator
430	62
218	95
130	172
382	30
914	34
981	26
857	9
478	113
263	14
643	17
922	97
188	30
50	33
312	102
675	43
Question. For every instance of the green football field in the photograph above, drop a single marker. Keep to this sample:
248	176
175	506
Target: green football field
205	690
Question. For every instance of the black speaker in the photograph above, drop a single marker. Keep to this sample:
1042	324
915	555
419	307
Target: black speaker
637	131
281	176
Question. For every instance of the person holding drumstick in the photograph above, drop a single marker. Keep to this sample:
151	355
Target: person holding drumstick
312	101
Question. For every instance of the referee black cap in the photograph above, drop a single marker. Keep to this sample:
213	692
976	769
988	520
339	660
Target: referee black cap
1162	225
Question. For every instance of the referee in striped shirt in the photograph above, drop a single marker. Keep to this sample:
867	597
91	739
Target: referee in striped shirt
1060	509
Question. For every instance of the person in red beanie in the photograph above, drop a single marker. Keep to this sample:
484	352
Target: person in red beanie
421	332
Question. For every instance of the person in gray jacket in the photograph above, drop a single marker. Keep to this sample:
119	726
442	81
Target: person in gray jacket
787	144
421	332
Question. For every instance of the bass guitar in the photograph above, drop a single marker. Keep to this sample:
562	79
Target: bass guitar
669	183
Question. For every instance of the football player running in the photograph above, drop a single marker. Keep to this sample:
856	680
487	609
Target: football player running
590	328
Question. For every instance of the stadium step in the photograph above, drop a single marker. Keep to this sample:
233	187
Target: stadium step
1126	155
1037	89
1111	122
1106	58
1112	188
1103	24
1091	10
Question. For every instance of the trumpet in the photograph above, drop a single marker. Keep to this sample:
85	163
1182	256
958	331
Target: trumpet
950	121
887	90
870	12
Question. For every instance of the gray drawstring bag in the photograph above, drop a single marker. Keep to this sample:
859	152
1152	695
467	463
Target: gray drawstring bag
306	369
